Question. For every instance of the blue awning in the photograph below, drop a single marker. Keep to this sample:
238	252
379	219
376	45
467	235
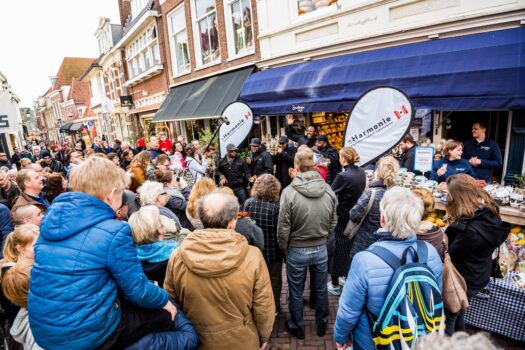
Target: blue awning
472	72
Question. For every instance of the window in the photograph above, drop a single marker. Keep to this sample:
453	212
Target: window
206	31
240	28
137	6
309	6
180	56
143	53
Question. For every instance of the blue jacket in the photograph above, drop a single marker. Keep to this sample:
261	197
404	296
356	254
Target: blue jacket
367	285
460	166
181	336
83	258
6	227
488	152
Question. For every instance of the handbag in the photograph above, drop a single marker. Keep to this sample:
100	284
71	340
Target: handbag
352	228
454	287
496	269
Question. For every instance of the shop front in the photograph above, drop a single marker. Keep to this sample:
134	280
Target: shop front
452	82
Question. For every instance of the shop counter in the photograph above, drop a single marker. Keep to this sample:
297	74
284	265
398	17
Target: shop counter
508	214
499	308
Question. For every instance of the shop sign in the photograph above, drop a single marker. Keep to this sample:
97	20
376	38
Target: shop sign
423	159
237	123
8	112
378	122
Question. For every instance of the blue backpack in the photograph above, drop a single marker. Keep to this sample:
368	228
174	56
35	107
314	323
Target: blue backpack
413	305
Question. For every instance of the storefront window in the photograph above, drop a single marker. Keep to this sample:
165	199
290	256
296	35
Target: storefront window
309	6
180	56
241	25
208	34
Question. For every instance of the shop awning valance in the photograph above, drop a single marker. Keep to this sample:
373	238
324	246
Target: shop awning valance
202	99
65	128
76	127
471	72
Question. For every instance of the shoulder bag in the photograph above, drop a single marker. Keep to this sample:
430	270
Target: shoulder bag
454	287
352	228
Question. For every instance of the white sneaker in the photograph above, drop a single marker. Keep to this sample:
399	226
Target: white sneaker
333	290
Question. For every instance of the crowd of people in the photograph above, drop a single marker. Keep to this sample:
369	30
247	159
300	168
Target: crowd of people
168	246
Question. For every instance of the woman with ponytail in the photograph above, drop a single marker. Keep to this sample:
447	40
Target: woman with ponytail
348	185
385	177
19	246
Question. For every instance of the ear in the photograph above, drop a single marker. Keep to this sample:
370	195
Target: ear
382	221
110	197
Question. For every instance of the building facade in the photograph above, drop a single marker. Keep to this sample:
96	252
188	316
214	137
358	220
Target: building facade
11	131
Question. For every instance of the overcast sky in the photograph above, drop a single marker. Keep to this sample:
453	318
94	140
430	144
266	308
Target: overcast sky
35	35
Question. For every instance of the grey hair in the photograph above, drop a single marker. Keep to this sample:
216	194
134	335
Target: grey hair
216	210
144	225
402	211
149	192
458	341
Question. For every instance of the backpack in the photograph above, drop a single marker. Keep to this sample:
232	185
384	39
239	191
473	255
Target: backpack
413	305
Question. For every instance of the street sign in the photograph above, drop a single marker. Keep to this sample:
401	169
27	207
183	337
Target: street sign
90	123
237	123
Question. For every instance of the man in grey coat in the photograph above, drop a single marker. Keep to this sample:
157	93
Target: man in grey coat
308	213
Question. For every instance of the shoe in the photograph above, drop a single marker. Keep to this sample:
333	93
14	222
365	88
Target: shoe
333	290
321	328
297	332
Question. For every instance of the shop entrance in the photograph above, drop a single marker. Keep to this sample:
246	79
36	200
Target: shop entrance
458	125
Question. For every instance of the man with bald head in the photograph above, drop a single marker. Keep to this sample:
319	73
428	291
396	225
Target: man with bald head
221	281
27	214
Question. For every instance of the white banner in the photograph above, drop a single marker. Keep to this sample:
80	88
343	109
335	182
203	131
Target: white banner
378	122
8	112
238	123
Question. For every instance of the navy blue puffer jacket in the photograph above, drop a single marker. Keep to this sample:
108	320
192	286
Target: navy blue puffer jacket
82	258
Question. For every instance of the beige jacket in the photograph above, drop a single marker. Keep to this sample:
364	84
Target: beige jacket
223	286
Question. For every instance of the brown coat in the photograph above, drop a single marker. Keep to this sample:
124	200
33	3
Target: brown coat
24	199
223	286
138	177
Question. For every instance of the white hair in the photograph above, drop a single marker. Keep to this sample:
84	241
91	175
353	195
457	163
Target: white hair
458	341
145	225
402	211
149	192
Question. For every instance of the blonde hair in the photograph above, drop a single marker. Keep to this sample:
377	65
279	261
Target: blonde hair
386	171
21	237
15	282
465	197
24	162
145	225
304	159
350	155
97	177
141	160
203	187
89	152
427	198
225	190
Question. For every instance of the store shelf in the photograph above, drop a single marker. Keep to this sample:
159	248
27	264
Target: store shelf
327	123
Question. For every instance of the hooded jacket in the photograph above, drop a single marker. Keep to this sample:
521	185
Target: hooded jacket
297	226
81	263
223	286
21	332
434	235
471	244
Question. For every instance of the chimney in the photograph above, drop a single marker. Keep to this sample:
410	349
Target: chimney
124	8
53	81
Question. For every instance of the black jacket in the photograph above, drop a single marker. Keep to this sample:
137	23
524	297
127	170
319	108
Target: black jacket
262	163
236	174
334	168
155	271
471	244
284	161
55	166
301	139
407	160
348	186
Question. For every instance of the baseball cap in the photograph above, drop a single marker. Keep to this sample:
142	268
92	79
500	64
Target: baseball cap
323	138
128	197
283	139
255	142
231	147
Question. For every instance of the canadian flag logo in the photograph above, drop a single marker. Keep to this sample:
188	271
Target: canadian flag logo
401	113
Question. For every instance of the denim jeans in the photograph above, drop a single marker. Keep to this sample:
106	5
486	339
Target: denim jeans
297	261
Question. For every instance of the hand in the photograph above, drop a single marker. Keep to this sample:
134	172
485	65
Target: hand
474	161
441	171
289	119
279	150
253	178
292	172
264	346
171	309
182	183
343	346
223	181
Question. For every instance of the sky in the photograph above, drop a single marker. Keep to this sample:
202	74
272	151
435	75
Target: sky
35	35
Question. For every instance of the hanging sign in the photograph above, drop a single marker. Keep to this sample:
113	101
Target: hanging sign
378	122
237	123
423	159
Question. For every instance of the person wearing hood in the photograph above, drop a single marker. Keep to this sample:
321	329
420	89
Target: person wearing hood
302	236
221	282
54	165
429	231
259	160
88	289
330	157
475	231
153	250
283	160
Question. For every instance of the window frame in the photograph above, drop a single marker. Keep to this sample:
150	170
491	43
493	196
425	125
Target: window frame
140	49
196	35
172	35
230	39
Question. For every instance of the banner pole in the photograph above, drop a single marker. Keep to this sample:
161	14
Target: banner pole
221	121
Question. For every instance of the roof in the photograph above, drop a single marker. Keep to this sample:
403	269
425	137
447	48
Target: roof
79	92
71	67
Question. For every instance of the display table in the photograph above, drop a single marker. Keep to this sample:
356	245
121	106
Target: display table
501	310
508	214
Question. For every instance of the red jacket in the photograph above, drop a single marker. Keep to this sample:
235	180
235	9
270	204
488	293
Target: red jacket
165	145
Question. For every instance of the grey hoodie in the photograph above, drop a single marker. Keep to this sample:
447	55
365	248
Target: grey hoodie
308	212
21	331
